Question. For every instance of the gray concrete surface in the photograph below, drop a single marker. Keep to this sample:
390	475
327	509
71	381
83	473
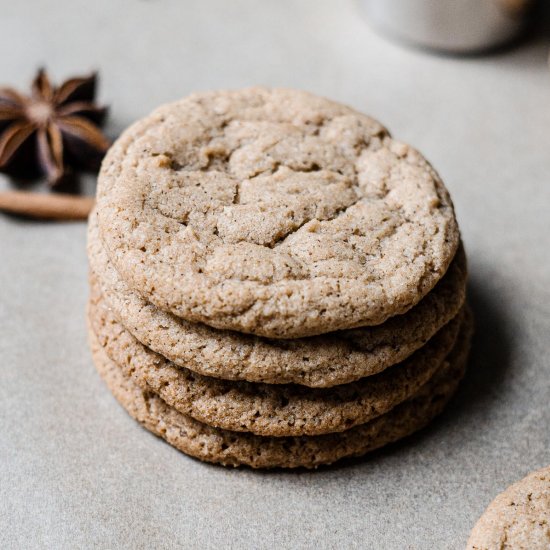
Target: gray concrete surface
76	472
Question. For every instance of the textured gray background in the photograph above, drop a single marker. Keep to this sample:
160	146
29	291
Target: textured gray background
76	472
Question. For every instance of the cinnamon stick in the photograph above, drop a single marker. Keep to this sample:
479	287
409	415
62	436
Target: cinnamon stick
55	206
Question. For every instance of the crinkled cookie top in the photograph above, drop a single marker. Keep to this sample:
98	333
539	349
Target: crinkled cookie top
518	518
273	212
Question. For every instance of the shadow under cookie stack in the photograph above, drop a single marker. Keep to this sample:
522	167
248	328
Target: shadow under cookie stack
275	281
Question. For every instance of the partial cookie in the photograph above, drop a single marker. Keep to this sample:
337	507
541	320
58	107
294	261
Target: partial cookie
273	212
518	518
264	409
238	448
317	361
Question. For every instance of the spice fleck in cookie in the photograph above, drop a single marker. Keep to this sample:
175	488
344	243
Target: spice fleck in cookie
518	518
318	361
274	410
273	212
238	448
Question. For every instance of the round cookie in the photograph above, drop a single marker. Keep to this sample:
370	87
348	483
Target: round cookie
263	409
273	212
317	361
518	518
233	448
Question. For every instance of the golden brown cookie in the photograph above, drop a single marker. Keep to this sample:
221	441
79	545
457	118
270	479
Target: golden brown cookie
518	518
273	212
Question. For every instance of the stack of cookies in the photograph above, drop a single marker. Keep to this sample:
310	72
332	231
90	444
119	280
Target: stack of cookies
275	281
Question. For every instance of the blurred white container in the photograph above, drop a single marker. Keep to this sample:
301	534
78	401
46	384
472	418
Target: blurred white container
460	26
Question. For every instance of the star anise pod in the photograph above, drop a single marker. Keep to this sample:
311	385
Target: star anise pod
53	130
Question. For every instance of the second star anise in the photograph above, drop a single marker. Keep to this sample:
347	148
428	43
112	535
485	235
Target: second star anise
53	130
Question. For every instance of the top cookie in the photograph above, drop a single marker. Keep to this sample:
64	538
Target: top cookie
273	212
518	518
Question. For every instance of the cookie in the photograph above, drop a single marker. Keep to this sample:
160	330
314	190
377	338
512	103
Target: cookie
317	361
263	409
518	518
273	212
237	448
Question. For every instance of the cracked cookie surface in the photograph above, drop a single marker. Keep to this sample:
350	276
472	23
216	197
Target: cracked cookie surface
316	361
240	448
518	518
264	409
273	212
